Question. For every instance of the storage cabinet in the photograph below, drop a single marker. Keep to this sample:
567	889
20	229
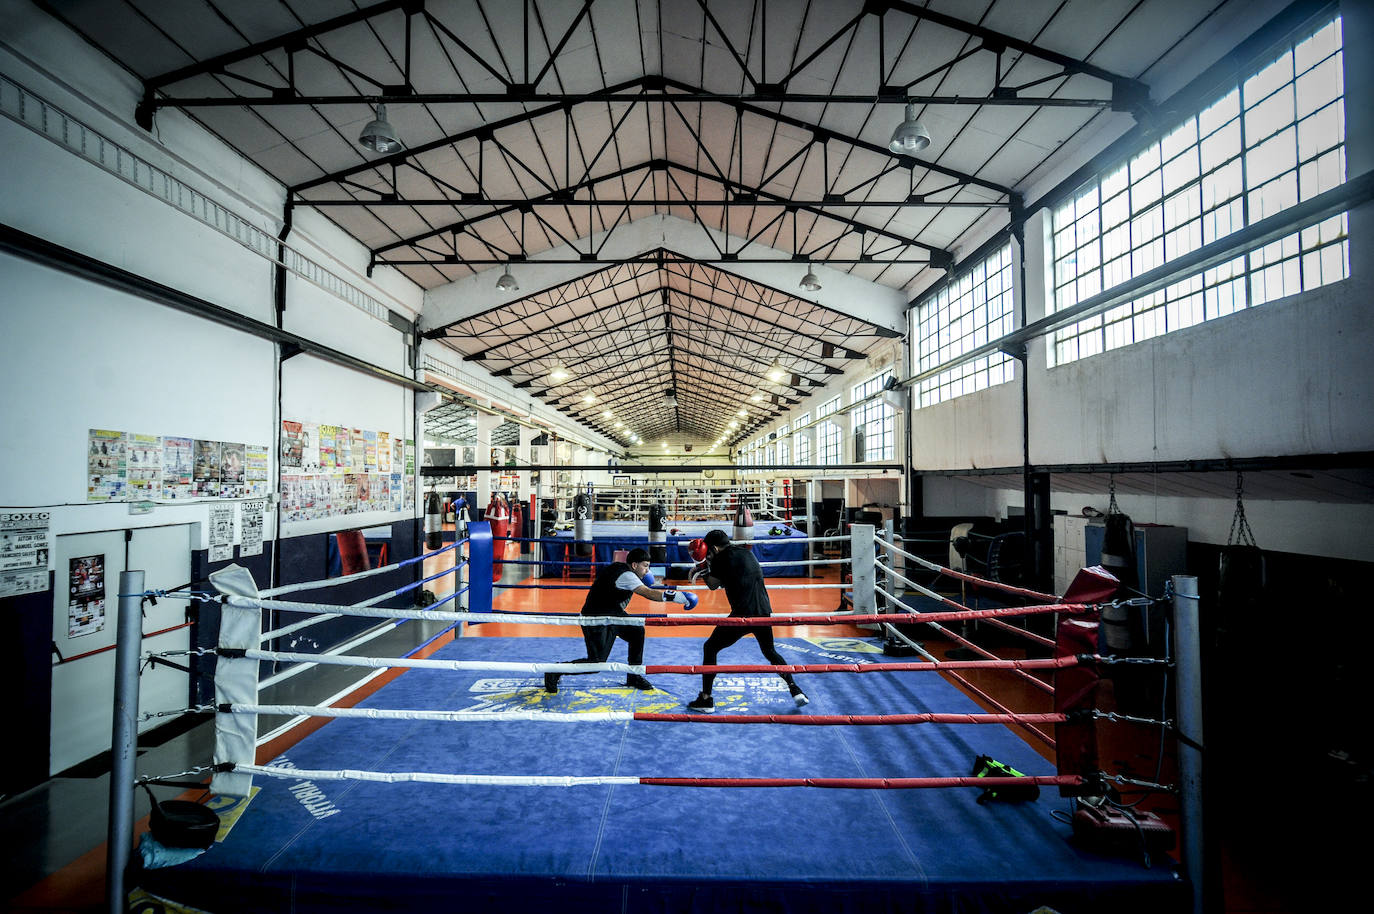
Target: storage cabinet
1160	551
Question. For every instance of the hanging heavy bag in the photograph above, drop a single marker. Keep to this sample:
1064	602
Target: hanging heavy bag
1241	582
582	521
658	534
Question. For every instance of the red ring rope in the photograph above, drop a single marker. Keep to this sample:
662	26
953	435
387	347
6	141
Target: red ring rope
964	615
1047	663
1045	780
821	720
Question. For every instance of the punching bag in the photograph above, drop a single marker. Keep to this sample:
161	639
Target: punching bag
517	520
460	522
582	521
500	523
434	531
744	521
658	534
1118	558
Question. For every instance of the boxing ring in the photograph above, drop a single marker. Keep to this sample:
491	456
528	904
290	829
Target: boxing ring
782	554
462	784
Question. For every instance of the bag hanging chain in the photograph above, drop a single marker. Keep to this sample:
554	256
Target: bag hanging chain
1241	534
1111	491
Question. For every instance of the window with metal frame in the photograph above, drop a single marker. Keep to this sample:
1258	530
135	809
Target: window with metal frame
972	310
1275	139
785	444
801	441
828	435
872	421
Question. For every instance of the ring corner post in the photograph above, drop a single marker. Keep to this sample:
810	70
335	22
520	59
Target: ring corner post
124	739
863	556
1187	642
481	555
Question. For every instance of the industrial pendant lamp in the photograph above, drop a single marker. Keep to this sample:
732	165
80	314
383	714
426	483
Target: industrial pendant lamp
810	282
507	282
911	136
379	135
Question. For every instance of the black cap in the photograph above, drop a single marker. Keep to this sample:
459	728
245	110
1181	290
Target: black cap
718	538
635	556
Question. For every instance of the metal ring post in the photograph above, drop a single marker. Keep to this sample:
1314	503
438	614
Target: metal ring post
1188	706
124	738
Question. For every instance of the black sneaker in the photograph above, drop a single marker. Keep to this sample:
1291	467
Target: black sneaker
703	704
800	697
639	682
551	682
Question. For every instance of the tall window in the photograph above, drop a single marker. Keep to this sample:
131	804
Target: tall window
785	444
872	421
1276	139
828	435
801	441
974	309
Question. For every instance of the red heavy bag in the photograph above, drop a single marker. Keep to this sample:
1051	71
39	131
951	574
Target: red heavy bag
352	551
499	518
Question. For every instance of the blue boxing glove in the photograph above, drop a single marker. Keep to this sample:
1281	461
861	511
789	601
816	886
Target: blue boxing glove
648	579
686	598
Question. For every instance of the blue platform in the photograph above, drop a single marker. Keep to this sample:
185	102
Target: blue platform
338	846
787	546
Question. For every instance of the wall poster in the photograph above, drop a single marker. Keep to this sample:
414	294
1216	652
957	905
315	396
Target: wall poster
106	472
221	532
250	524
86	596
23	552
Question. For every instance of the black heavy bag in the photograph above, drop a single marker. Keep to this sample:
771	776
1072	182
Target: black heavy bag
658	534
434	530
582	521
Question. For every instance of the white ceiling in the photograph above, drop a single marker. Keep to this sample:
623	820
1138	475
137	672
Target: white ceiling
544	132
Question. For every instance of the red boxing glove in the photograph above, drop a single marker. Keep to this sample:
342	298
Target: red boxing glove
697	550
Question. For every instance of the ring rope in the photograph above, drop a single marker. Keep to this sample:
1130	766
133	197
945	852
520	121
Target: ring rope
356	576
684	587
579	717
1047	663
893	632
306	623
799	618
506	780
993	620
974	579
1028	635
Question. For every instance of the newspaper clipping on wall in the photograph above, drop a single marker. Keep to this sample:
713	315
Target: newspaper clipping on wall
23	552
251	518
221	532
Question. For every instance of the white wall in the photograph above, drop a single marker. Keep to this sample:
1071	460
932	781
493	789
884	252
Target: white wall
78	356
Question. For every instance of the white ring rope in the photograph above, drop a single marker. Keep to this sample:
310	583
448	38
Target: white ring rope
893	632
931	566
356	576
376	612
567	717
924	591
424	664
421	777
